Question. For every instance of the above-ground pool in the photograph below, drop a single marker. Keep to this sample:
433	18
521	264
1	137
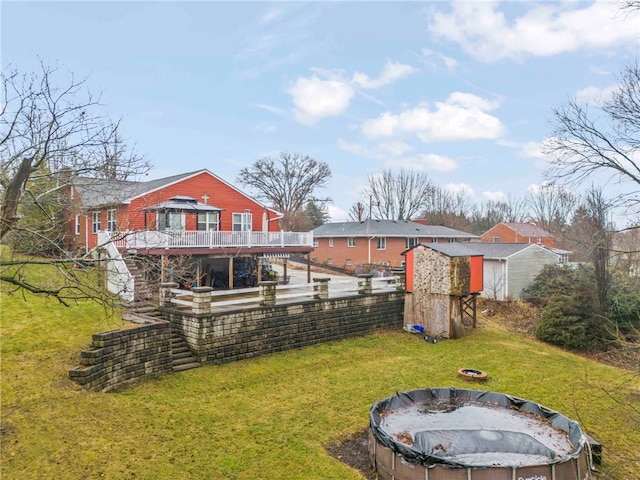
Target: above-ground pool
448	433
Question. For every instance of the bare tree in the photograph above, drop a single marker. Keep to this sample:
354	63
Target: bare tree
444	207
491	212
51	129
287	182
552	207
397	195
606	142
358	212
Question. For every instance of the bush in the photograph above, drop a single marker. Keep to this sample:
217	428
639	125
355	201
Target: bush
569	321
558	280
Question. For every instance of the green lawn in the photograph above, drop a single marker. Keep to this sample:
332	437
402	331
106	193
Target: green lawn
267	418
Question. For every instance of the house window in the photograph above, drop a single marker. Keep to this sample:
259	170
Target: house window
77	225
496	239
207	221
96	224
412	242
348	262
403	263
331	242
242	222
329	261
170	221
539	241
382	243
111	220
316	242
351	242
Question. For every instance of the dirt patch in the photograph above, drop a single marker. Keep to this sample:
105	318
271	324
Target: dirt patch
354	452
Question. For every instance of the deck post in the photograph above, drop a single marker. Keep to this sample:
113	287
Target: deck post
364	284
321	288
268	293
201	299
166	294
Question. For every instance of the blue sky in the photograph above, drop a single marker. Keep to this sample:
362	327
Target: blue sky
463	91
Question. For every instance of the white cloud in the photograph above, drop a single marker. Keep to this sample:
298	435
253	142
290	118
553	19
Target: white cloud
269	108
532	150
461	117
424	161
449	62
382	151
394	148
336	214
595	95
327	93
315	98
495	196
392	71
544	30
460	188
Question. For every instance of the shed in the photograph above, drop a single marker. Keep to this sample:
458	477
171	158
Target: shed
443	281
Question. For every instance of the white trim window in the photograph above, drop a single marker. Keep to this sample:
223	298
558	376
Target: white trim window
77	226
316	242
412	242
242	222
173	221
207	221
331	242
382	243
111	220
351	242
96	222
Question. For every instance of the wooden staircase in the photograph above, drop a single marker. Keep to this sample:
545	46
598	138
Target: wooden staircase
141	290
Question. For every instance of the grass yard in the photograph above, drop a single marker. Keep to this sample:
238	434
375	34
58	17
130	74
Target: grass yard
267	418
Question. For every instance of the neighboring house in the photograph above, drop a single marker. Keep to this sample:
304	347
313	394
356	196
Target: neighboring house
382	242
625	254
223	231
509	268
512	232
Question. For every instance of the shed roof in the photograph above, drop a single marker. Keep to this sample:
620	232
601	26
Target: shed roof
455	249
388	228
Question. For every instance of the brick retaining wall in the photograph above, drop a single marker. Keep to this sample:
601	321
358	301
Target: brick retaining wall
120	357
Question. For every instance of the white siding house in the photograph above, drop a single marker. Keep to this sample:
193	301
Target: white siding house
509	268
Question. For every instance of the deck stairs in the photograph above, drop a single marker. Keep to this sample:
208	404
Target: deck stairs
183	359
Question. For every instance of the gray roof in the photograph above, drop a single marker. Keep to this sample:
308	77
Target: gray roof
529	229
455	249
492	251
388	228
95	192
183	203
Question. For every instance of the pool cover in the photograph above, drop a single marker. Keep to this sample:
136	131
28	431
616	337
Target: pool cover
472	428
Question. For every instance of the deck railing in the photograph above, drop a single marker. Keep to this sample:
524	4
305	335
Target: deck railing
210	239
205	299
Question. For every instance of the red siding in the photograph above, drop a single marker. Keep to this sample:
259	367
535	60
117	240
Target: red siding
476	283
221	195
409	265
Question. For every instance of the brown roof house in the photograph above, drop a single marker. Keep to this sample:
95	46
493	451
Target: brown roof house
513	232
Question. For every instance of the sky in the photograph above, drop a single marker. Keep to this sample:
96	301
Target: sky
464	91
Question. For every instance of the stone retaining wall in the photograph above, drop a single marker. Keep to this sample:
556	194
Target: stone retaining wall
120	357
236	335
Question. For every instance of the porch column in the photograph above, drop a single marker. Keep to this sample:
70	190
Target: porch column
321	288
364	284
166	294
268	293
231	272
201	299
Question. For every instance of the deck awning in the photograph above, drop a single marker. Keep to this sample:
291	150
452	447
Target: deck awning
182	204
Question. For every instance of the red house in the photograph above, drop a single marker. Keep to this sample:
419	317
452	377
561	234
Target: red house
224	232
512	232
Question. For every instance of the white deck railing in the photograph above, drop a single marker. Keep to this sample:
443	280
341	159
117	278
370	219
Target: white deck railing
284	293
210	239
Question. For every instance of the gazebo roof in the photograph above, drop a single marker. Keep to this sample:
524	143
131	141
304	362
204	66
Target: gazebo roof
181	203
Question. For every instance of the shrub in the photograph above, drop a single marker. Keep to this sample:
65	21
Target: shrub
570	321
558	280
